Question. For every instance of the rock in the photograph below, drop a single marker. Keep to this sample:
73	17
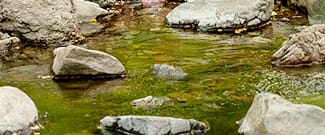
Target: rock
261	40
74	60
48	22
87	11
221	15
304	48
315	9
8	46
150	101
270	114
152	125
167	72
153	3
104	3
18	112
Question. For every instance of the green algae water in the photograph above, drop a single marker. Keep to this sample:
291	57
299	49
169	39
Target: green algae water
224	73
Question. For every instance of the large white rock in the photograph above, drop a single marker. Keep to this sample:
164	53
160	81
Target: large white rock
18	112
270	114
210	15
304	48
152	125
49	22
87	11
74	60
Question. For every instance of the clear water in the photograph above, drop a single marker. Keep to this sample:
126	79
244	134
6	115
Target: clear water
224	73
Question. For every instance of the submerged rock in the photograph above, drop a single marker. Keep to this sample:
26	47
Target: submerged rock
74	60
221	15
270	114
18	112
152	125
43	22
304	48
150	101
167	72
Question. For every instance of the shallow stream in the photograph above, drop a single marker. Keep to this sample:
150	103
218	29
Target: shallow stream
224	73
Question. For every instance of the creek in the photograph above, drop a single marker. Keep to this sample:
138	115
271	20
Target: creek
224	73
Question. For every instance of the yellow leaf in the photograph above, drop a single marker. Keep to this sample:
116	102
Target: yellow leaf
93	21
238	31
219	30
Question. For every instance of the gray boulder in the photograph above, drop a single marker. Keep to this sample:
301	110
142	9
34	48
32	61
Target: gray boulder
87	11
168	72
221	15
152	125
304	48
74	60
270	114
18	112
41	21
315	9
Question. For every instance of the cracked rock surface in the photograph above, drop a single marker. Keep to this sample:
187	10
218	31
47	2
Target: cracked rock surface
304	48
152	125
210	15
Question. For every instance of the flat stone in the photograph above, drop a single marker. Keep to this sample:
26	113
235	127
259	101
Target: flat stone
211	15
168	72
152	125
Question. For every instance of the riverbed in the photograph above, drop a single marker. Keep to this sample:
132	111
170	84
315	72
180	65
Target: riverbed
225	71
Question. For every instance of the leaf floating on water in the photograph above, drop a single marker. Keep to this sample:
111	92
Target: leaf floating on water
241	30
93	21
219	30
274	13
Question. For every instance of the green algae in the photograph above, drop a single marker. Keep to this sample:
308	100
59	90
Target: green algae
222	79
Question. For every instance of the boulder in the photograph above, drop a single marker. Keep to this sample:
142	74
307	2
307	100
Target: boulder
221	15
168	72
152	125
48	22
74	60
270	114
87	11
150	101
304	48
315	9
8	45
18	112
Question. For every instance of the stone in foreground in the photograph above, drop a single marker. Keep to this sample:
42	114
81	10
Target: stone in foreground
152	125
168	72
74	60
221	15
270	114
304	48
18	112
